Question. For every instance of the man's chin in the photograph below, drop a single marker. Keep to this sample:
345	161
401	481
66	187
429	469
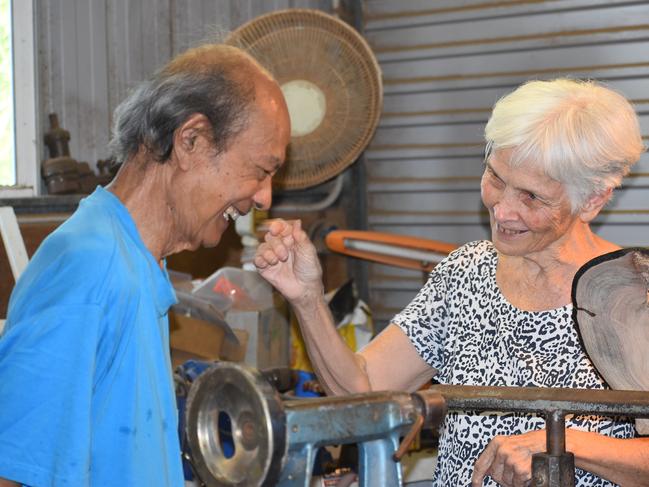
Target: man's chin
210	244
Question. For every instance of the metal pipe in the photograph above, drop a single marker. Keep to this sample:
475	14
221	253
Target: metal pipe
425	257
540	399
323	204
556	466
555	426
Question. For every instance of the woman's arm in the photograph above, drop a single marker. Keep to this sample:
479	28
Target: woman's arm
289	261
508	459
622	461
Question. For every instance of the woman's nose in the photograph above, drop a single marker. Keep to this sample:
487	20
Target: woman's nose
505	208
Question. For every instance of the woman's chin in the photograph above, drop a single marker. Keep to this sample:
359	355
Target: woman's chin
508	244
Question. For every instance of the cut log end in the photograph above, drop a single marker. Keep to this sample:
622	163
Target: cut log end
641	264
611	295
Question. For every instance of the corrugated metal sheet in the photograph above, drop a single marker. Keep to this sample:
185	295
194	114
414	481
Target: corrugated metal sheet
445	64
92	53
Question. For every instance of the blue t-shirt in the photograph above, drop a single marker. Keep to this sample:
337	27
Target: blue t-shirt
86	391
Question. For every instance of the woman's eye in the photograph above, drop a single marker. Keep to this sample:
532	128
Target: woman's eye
532	199
495	180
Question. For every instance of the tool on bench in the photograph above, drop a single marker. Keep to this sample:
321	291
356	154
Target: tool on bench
273	442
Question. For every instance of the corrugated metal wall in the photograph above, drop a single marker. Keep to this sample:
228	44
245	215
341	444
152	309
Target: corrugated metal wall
445	63
92	52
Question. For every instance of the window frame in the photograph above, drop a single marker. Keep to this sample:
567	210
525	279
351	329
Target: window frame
26	133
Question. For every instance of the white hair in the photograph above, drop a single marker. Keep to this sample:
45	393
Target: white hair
580	133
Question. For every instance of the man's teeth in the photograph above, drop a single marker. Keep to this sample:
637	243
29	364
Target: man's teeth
231	213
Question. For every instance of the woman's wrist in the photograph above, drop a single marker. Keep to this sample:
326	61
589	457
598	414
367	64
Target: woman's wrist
309	299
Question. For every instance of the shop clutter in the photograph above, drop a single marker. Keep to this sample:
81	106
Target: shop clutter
65	175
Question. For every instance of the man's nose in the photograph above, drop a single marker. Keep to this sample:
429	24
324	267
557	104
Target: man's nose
264	196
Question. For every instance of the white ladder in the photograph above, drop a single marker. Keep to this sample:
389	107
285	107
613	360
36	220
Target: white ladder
14	244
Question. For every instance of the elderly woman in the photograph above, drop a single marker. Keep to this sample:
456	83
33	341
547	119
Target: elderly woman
498	313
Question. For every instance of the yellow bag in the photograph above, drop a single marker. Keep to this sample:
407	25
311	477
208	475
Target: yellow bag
356	329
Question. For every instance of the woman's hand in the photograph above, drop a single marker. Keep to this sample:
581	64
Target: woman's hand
508	459
289	261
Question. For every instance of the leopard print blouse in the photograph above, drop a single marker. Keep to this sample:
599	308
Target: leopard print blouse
462	325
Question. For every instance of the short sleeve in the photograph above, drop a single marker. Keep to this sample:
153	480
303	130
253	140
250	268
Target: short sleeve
47	363
424	320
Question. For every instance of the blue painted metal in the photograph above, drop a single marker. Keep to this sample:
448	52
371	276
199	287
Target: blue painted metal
374	421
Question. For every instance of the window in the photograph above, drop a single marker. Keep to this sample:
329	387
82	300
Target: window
19	150
7	159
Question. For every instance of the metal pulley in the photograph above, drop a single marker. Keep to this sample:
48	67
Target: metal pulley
236	427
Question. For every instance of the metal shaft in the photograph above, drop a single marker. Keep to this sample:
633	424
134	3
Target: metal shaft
542	400
555	426
556	466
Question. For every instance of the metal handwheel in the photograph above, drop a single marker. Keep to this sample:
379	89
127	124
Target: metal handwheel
235	427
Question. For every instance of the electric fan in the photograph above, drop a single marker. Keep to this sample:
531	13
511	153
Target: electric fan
332	85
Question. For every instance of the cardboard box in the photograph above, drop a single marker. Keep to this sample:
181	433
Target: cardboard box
194	339
232	315
195	336
267	337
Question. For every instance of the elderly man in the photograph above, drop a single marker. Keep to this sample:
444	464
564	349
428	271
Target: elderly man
86	395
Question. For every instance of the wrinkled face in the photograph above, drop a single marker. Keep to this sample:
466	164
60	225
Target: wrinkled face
221	187
528	211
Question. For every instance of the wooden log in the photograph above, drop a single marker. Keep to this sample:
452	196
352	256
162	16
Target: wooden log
610	295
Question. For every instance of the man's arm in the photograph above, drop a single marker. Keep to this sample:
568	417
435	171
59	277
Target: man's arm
508	459
8	483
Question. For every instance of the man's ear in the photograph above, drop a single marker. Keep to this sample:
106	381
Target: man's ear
594	204
190	137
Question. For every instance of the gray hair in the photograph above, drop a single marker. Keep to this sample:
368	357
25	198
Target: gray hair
151	113
580	133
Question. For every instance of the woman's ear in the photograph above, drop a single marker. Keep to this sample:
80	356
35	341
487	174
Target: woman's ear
594	204
188	137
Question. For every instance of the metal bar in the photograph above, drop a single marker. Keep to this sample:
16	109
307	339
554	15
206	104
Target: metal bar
539	399
357	196
423	256
555	426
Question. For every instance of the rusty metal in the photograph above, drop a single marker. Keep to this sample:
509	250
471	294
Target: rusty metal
555	425
283	437
57	138
556	466
540	399
60	171
409	438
